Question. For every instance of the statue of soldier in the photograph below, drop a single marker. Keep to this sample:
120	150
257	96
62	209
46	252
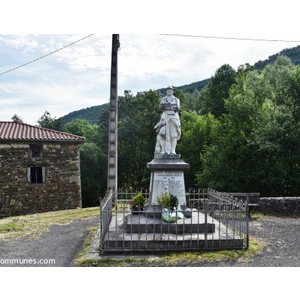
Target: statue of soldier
168	128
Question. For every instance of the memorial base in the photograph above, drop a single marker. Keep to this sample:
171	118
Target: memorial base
141	223
167	176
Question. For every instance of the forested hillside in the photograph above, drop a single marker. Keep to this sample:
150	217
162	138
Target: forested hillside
92	113
293	54
240	133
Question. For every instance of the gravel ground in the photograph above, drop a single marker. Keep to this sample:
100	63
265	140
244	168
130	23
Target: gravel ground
281	239
280	236
62	243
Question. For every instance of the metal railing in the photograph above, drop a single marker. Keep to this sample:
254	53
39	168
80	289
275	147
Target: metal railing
215	221
232	212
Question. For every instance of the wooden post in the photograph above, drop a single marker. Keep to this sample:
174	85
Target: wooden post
112	174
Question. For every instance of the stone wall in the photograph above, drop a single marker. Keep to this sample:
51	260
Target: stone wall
280	205
290	205
61	188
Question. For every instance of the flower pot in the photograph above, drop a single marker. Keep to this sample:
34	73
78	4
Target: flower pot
137	209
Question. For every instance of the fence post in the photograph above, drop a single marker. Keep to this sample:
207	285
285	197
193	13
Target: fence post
247	222
206	225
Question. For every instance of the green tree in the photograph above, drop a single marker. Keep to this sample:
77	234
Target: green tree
82	127
294	92
255	148
197	135
138	115
93	166
137	118
47	121
213	96
191	102
16	118
93	161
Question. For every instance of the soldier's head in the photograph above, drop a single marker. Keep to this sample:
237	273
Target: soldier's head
170	90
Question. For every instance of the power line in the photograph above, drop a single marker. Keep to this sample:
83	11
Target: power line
165	34
55	51
230	38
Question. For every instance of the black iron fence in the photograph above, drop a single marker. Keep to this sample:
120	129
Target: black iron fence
210	221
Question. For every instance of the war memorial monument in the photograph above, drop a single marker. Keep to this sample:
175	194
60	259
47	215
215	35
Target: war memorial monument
206	220
167	169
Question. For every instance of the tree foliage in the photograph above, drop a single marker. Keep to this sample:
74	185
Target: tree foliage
47	121
137	118
93	161
16	118
212	97
240	133
256	144
82	127
198	132
93	173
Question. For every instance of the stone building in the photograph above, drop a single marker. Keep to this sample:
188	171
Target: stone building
39	169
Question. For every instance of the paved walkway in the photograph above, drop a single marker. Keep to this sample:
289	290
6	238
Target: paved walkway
61	243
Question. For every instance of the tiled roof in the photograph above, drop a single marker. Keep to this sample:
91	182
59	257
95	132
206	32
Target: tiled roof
16	131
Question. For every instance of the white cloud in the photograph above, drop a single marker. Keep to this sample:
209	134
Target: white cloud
22	42
150	62
45	95
92	53
79	76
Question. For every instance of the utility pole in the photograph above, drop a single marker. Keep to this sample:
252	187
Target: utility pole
112	174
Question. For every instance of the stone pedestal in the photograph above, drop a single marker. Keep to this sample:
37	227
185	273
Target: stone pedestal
141	223
167	176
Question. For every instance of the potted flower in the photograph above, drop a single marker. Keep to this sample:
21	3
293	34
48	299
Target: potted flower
169	204
138	203
168	201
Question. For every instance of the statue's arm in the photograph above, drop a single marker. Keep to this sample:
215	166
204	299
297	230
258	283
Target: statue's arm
159	125
176	107
164	106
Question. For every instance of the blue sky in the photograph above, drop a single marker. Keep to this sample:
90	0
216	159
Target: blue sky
79	76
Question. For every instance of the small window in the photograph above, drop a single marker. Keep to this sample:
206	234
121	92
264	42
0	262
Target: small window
36	151
36	175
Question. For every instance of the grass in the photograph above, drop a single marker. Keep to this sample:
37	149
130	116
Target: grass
80	260
32	226
254	215
255	247
173	259
257	214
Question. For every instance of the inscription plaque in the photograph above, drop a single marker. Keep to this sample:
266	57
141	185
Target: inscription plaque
168	182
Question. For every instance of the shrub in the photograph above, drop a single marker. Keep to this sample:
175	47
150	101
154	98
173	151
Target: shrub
168	201
139	200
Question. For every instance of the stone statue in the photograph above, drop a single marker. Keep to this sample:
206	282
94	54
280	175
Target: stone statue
168	128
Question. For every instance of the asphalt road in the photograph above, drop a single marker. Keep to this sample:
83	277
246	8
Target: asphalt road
61	243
